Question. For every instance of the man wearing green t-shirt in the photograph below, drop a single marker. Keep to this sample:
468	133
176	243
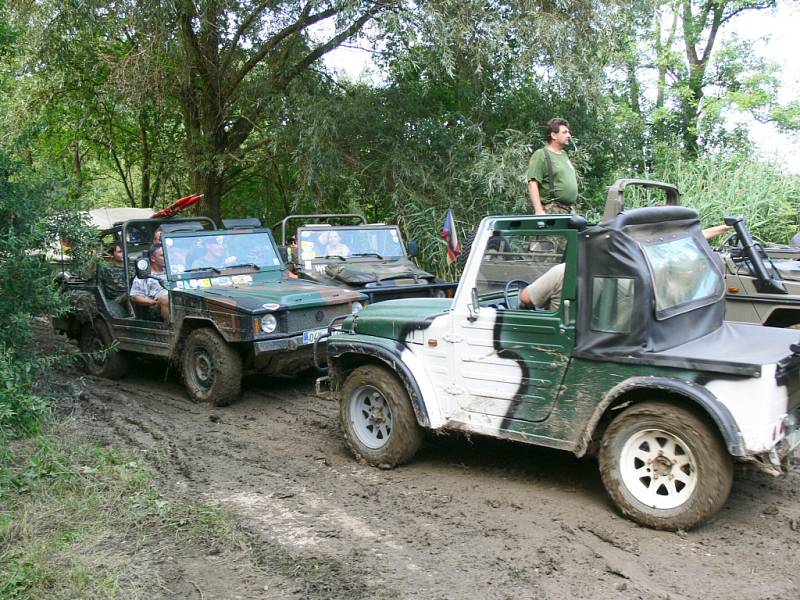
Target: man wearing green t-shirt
552	185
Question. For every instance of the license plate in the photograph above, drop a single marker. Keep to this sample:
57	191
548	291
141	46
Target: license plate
310	336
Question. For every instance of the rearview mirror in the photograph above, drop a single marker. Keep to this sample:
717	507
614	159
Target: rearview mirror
413	248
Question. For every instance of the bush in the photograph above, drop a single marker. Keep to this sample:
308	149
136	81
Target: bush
719	185
30	226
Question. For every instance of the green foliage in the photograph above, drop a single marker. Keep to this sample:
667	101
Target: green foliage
740	184
63	506
30	230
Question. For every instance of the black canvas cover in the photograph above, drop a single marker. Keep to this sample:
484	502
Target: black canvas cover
360	272
617	249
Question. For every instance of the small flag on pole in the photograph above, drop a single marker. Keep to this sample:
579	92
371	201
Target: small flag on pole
450	236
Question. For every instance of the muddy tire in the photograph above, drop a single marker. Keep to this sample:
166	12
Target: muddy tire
377	418
211	369
664	466
95	341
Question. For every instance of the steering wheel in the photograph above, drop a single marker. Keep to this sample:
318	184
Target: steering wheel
730	242
506	293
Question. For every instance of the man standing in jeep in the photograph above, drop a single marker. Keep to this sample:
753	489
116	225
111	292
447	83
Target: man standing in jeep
552	186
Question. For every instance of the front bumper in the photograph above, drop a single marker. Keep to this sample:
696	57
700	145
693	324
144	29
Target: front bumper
783	457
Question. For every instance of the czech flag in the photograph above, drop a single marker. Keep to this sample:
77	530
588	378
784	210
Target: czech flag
449	235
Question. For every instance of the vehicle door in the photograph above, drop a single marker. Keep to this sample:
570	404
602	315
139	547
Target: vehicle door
510	361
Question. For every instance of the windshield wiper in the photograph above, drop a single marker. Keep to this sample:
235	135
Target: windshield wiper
241	265
215	269
367	254
334	256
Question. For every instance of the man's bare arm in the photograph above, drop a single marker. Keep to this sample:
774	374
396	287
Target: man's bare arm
536	201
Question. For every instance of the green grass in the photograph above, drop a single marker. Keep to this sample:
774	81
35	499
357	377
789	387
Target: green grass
73	518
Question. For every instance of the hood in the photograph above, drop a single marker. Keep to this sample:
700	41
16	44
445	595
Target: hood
285	293
395	319
357	272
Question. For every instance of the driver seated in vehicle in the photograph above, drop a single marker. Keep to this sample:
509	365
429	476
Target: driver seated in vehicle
150	292
545	292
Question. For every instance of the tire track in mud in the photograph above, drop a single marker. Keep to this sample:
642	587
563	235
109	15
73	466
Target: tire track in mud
469	518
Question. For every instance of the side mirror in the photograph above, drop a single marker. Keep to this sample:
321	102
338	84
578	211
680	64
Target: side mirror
143	268
413	248
474	307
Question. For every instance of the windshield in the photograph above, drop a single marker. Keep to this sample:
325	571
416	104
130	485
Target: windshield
379	242
683	276
221	251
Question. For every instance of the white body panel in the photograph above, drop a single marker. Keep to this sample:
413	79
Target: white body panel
758	406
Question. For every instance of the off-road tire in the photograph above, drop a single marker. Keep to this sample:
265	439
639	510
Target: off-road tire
98	359
210	368
466	248
380	446
710	468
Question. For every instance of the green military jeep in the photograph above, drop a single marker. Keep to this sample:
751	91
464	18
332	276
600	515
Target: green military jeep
636	365
233	308
344	250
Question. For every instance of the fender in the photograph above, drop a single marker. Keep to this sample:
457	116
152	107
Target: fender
694	392
393	359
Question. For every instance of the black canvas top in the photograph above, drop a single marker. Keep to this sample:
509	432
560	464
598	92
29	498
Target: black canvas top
616	249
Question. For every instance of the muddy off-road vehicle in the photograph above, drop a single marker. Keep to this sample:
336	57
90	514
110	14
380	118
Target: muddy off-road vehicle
233	309
369	258
762	283
636	366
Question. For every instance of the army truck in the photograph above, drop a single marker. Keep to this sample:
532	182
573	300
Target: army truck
635	367
233	308
369	258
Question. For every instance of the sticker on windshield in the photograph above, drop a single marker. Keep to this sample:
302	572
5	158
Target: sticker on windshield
179	284
393	234
271	306
221	281
307	265
242	279
168	242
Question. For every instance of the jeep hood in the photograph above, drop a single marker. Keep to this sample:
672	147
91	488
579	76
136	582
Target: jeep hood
359	273
394	319
287	293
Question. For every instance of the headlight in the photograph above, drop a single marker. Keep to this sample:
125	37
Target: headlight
268	323
440	293
357	306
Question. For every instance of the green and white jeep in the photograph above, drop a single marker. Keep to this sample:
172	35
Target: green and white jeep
635	367
233	308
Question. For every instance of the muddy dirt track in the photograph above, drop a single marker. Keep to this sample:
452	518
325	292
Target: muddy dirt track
469	518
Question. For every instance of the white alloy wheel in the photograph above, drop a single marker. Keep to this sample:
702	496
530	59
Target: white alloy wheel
371	416
658	468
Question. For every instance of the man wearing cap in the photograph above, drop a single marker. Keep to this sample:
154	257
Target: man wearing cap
552	185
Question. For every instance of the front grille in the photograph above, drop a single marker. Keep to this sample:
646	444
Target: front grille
307	318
